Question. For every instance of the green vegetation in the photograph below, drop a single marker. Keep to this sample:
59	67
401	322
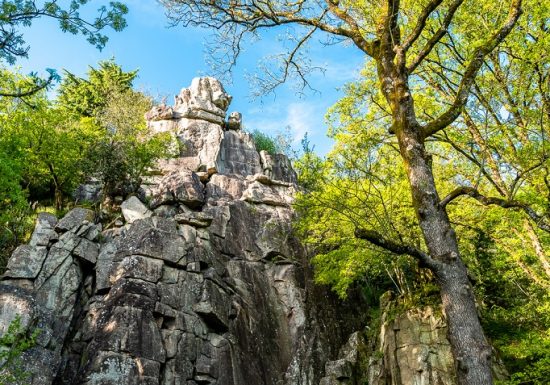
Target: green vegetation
491	168
439	178
96	127
264	142
13	343
124	149
280	143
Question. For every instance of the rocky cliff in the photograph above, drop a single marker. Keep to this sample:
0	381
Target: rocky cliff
201	280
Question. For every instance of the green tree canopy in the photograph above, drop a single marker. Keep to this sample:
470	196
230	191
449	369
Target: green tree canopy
125	149
89	96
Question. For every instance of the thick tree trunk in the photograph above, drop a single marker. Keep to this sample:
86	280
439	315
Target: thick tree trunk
470	348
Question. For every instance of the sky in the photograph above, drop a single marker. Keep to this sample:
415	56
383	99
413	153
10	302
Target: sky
168	58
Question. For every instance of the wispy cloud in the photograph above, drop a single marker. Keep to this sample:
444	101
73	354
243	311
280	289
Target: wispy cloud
300	117
340	73
303	117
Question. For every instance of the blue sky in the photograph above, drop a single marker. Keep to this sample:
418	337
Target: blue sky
169	58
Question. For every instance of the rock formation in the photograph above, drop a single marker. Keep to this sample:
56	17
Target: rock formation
201	280
200	283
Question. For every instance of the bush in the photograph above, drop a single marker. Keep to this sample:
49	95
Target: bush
264	142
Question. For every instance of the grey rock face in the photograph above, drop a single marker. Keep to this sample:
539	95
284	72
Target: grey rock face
90	191
160	112
181	186
278	167
239	155
205	99
413	350
198	122
204	284
43	283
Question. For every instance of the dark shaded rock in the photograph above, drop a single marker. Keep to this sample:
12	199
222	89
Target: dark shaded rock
112	368
87	250
104	265
272	235
139	267
194	219
239	156
225	188
90	191
213	307
278	167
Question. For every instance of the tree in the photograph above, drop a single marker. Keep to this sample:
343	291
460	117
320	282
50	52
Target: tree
16	15
280	143
124	149
89	96
48	144
127	150
400	39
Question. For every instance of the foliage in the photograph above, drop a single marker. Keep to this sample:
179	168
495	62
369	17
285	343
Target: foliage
16	15
47	148
15	341
357	185
490	164
89	96
25	86
264	142
124	149
127	150
13	205
48	144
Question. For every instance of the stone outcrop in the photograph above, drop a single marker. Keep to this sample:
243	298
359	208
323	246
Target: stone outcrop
208	143
201	280
411	348
402	347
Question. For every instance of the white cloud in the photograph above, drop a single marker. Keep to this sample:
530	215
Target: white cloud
301	117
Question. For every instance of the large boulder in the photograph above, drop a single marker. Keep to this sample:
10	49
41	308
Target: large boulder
133	209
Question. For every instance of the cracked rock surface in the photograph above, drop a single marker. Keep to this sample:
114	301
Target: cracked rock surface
201	281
